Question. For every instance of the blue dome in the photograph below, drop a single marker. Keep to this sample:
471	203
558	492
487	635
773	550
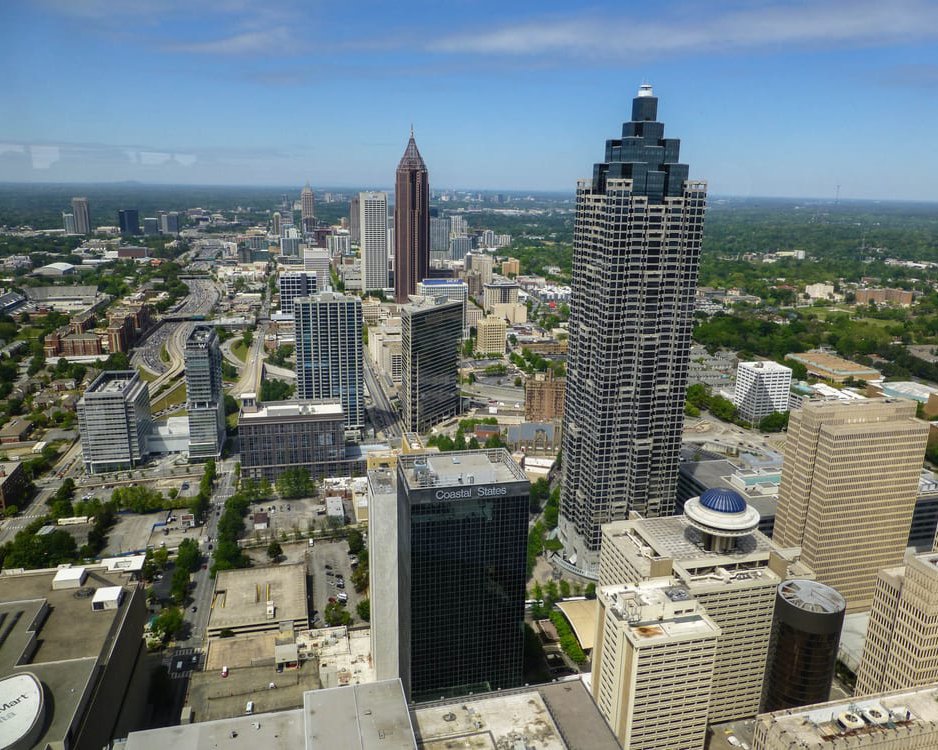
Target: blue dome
723	501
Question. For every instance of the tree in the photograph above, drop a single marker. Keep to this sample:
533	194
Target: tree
179	589
356	541
335	614
363	608
168	623
774	422
274	550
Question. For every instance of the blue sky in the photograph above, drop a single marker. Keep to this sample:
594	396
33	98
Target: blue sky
769	98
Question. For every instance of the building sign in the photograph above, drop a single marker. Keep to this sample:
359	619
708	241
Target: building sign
467	493
21	711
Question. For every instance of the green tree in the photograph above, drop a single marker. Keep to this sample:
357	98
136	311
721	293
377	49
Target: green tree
274	550
168	623
363	608
335	614
356	541
774	422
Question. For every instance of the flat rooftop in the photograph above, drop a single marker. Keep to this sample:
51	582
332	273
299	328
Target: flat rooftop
833	364
459	468
112	381
274	410
241	596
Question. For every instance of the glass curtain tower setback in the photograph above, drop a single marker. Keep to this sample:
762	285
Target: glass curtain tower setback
329	352
411	223
636	254
205	395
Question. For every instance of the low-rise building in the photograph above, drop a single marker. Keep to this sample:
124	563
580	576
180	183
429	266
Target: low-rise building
254	600
543	397
831	367
16	430
14	485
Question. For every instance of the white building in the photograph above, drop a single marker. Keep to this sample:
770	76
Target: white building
373	224
761	388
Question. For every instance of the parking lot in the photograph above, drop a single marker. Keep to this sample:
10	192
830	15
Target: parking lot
335	556
291	515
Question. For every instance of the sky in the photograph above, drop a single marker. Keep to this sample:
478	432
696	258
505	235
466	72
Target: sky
799	99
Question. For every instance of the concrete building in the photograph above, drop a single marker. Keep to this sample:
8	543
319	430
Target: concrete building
431	330
169	222
819	291
638	230
459	245
275	224
899	720
828	366
282	435
447	552
543	397
511	267
316	260
82	215
848	489
732	570
373	223
481	263
68	223
72	676
653	665
761	388
449	289
499	293
354	220
384	348
902	639
255	600
898	297
491	334
293	284
328	329
114	421
205	394
439	234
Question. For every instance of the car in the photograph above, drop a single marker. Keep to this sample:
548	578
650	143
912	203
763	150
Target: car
343	597
328	567
185	486
340	584
211	546
204	566
195	608
224	671
330	573
331	600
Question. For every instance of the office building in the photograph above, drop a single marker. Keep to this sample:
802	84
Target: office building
848	489
68	223
491	333
293	284
307	209
439	234
339	244
275	222
74	671
373	242
458	224
499	293
128	219
447	551
411	222
114	421
205	394
653	665
732	570
902	640
431	331
482	263
82	215
451	289
169	222
328	330
459	246
761	388
511	267
898	720
316	260
151	226
15	487
543	397
290	246
354	219
282	435
803	652
636	252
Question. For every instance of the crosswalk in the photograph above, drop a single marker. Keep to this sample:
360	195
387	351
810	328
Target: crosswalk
183	662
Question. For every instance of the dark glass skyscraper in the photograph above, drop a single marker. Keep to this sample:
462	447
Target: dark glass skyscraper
636	250
411	222
128	219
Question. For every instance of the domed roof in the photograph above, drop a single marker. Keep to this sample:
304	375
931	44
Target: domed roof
723	500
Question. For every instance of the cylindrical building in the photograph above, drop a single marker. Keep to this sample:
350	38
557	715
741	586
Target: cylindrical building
803	650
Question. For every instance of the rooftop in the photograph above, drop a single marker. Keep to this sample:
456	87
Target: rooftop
293	409
112	381
241	596
657	609
833	364
457	468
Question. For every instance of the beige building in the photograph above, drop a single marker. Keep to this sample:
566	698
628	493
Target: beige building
514	312
734	577
901	649
653	665
848	489
511	266
384	348
543	397
904	720
500	293
491	334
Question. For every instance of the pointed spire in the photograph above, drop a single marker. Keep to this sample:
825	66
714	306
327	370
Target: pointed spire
412	158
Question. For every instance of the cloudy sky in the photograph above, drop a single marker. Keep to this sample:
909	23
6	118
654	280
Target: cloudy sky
769	98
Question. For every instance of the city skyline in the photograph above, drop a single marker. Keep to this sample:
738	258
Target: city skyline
528	70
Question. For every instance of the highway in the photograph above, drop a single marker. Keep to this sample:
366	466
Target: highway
383	416
250	379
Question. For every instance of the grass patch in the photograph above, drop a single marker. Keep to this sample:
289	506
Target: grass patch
145	375
164	355
170	398
240	350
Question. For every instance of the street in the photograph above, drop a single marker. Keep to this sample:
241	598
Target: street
383	416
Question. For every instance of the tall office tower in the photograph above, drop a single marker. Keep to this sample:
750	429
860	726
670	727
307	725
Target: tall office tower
411	222
316	260
431	331
458	224
114	421
451	289
653	665
293	284
439	235
290	246
151	226
848	489
499	293
806	629
446	546
169	222
68	223
636	254
128	219
339	244
354	219
82	215
205	395
307	209
328	329
459	246
373	228
275	224
716	553
901	640
761	388
483	263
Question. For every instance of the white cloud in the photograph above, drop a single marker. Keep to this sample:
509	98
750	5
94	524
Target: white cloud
277	40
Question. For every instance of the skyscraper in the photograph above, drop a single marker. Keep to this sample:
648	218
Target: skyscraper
114	421
373	239
307	209
293	284
128	219
848	489
205	396
439	234
431	331
329	362
275	224
447	558
82	215
354	220
636	252
68	223
411	222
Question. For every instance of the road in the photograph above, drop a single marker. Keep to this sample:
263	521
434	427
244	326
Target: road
507	394
383	416
250	379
